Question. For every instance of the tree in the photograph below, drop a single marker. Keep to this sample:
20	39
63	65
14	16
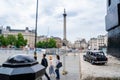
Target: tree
1	37
20	41
3	41
51	43
39	44
11	40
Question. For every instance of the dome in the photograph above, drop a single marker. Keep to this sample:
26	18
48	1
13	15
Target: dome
20	60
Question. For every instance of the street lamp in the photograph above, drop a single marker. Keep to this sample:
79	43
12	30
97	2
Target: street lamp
36	20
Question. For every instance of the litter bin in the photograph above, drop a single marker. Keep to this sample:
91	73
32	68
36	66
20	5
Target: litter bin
21	67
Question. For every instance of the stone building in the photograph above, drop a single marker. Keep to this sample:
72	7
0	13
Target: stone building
98	43
1	29
102	41
27	34
42	38
80	44
92	44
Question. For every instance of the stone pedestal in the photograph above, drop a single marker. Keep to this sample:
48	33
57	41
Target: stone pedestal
113	27
114	42
21	67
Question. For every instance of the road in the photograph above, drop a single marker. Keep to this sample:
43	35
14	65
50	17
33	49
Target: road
109	70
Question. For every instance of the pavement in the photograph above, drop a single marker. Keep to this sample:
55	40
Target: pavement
71	66
77	68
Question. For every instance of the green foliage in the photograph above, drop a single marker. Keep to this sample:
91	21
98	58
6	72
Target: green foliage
51	43
20	41
12	40
3	41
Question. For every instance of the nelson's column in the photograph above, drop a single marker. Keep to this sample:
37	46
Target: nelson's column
65	42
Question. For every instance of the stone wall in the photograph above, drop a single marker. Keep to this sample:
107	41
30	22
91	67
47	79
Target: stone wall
113	27
114	42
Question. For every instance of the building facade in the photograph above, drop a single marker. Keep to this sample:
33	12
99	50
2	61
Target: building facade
1	29
102	42
92	44
29	35
80	44
113	27
98	43
42	38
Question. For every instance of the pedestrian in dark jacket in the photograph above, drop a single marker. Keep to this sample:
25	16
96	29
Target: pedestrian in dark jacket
45	64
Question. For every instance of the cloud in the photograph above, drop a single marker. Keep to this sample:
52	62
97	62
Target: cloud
85	18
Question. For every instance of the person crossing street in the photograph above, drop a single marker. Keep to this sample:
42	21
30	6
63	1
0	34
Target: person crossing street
44	62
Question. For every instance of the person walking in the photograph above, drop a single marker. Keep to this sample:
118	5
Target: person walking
51	67
44	62
57	69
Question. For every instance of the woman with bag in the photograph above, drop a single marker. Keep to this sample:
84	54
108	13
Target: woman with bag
57	69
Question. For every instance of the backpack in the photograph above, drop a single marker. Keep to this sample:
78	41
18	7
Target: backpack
44	62
59	65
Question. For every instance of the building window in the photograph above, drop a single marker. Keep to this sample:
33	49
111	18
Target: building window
109	2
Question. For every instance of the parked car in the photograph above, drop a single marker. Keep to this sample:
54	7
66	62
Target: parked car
95	57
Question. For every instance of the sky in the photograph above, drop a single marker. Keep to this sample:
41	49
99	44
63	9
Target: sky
85	18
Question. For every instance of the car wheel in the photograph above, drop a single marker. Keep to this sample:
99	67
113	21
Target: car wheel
92	62
40	78
84	59
103	63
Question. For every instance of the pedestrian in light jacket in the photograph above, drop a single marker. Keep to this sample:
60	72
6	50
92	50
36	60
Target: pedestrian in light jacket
57	69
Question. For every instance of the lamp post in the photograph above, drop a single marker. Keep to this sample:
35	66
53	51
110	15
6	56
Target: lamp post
36	20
